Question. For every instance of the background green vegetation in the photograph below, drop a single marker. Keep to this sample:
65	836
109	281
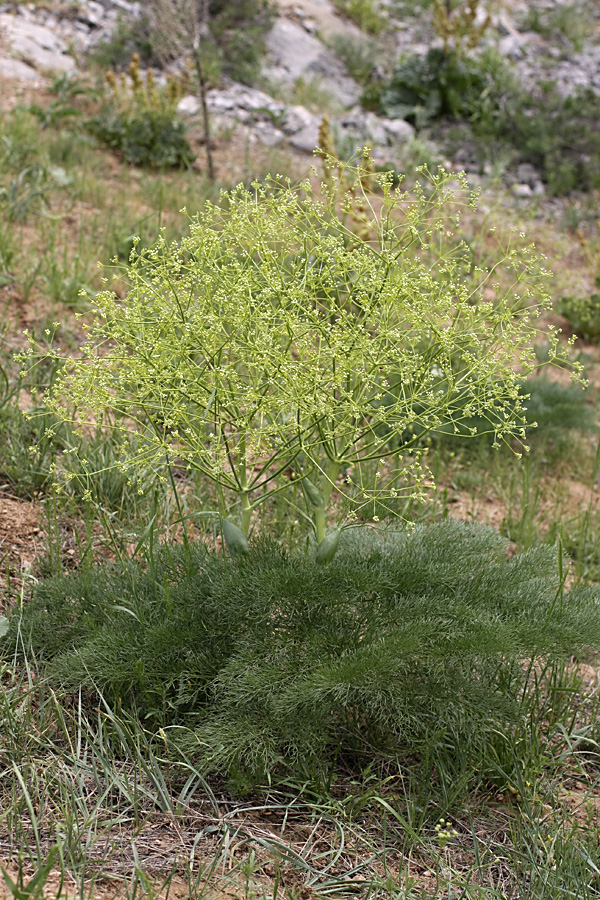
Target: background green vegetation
236	31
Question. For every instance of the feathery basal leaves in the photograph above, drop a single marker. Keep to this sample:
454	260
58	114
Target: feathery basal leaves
271	658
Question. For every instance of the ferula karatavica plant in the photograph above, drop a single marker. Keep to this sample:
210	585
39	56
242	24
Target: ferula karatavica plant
271	343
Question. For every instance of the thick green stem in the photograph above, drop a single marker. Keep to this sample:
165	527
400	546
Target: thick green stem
331	473
243	481
319	520
246	511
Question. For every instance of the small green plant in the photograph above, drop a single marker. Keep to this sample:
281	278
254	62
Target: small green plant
437	85
365	13
130	35
29	448
108	486
20	140
591	250
8	254
68	90
140	120
370	98
39	452
32	189
25	193
34	888
287	337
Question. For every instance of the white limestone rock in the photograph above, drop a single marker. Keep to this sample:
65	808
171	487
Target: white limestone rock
37	45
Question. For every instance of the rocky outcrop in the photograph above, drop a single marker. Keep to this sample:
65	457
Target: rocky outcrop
293	53
318	17
38	47
272	122
35	40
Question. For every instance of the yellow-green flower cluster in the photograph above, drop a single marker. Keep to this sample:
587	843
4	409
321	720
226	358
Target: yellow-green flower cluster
272	337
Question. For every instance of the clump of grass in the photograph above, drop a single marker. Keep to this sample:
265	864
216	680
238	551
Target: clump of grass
573	21
29	449
93	785
271	660
312	93
359	55
365	13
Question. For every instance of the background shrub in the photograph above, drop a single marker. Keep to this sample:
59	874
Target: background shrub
145	138
557	406
429	87
140	120
549	406
131	34
559	136
583	313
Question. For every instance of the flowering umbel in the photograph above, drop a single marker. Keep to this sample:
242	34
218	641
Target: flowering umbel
272	338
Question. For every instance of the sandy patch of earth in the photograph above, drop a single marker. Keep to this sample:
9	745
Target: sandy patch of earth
20	541
66	889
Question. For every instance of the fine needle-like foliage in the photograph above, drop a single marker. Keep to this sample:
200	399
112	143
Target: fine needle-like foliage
273	343
269	659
